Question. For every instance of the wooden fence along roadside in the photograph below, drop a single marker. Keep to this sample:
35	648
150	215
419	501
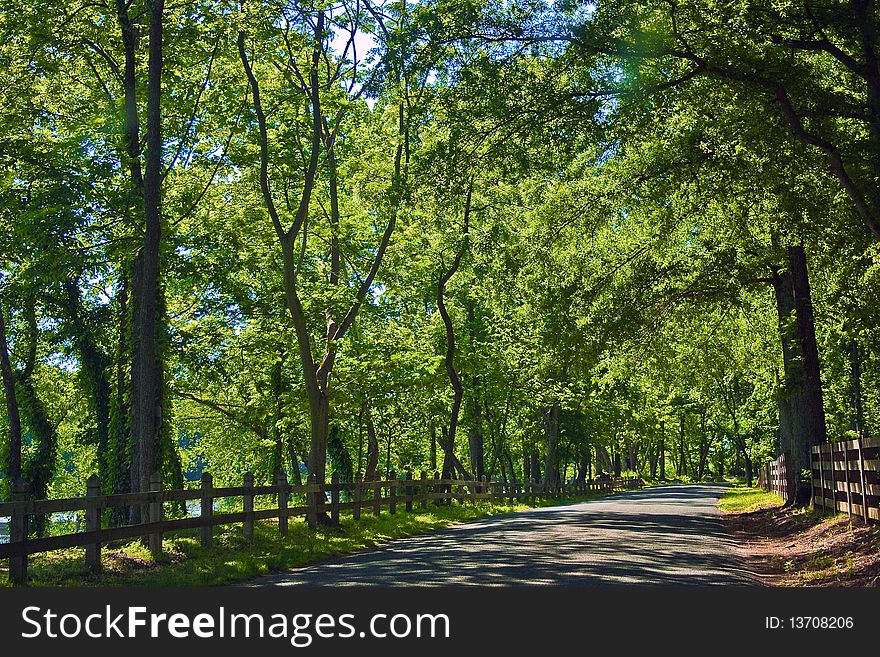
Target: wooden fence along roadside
846	477
371	495
778	477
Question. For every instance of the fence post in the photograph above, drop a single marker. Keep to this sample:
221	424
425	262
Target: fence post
156	515
18	565
334	498
821	481
834	508
392	492
207	510
423	490
358	492
486	487
848	488
408	491
435	488
312	490
247	504
283	492
862	480
93	523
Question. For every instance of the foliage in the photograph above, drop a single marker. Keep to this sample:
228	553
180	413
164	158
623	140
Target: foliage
633	176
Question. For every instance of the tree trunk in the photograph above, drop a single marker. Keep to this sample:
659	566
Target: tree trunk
584	465
13	466
319	413
475	436
704	446
294	462
316	375
124	435
748	462
360	463
447	471
809	349
633	451
449	358
742	450
662	459
535	468
682	457
662	449
802	414
146	397
551	428
857	422
388	451
372	448
510	467
40	468
603	460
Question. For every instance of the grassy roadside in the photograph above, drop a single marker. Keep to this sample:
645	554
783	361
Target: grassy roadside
800	546
684	480
744	499
232	559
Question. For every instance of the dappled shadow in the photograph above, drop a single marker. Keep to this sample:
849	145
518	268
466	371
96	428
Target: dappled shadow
664	535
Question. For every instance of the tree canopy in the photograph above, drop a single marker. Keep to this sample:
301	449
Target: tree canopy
528	240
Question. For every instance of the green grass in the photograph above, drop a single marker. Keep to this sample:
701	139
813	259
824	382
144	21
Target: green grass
233	559
743	499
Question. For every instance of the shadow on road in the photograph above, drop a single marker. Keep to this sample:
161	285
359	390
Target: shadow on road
664	535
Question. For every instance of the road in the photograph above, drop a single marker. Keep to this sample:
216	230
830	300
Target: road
670	535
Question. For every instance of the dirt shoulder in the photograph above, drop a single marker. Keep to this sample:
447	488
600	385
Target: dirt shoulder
799	547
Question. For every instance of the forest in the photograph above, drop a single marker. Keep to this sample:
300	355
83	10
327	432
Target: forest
529	240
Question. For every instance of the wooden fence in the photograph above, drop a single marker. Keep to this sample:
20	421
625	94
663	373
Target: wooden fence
777	476
846	477
371	495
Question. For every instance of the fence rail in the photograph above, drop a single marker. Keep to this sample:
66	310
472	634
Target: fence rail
778	476
846	477
369	495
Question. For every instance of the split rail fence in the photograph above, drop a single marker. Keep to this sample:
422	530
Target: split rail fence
371	496
846	477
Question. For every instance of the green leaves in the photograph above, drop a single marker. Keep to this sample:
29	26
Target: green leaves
636	178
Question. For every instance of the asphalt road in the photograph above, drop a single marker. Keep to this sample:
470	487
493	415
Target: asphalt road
662	535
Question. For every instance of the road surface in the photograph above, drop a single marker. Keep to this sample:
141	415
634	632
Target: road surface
661	535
